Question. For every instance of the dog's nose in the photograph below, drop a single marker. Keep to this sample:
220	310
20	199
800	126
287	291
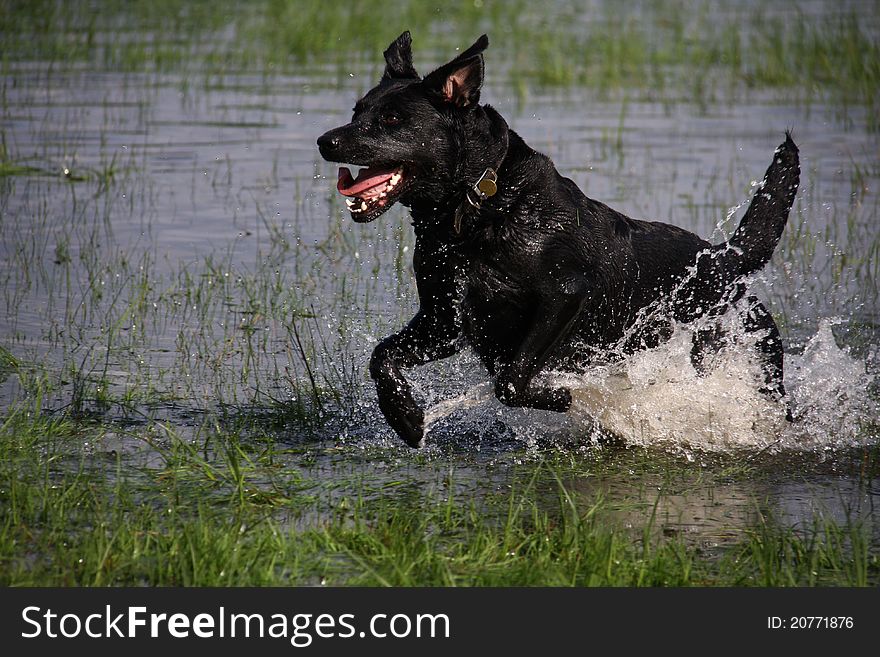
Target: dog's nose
328	142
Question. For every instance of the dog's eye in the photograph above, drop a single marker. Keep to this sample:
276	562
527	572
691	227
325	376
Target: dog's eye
391	118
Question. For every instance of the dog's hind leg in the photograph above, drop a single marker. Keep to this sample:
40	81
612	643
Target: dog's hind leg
707	341
756	319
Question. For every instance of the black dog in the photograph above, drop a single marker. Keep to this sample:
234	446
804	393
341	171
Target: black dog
513	259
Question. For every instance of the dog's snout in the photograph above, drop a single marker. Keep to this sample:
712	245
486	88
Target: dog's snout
328	140
328	143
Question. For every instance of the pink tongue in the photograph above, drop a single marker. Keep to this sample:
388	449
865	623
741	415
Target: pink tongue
366	179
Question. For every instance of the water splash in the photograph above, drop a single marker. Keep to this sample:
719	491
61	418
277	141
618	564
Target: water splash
830	395
657	398
474	396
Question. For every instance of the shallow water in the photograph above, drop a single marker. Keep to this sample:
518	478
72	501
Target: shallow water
170	233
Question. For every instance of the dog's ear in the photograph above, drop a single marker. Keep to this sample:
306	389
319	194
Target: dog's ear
459	81
398	59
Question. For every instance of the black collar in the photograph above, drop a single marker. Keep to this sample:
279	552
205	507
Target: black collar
486	186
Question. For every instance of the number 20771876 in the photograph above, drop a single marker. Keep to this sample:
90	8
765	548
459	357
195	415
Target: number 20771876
810	623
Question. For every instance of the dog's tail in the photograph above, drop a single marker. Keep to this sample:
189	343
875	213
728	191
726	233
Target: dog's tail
753	242
721	269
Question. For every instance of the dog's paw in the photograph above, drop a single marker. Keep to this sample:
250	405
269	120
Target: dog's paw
410	425
404	416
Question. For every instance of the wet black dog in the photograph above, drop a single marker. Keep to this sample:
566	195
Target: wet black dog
514	260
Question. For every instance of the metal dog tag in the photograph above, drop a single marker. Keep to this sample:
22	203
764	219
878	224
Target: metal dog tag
487	183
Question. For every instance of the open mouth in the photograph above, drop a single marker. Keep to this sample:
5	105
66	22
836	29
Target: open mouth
373	191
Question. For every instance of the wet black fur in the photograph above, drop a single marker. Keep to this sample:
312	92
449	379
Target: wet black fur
540	277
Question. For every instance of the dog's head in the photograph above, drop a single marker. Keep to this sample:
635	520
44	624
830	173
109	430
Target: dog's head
403	131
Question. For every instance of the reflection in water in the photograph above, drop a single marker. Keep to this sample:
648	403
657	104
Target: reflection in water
717	513
709	514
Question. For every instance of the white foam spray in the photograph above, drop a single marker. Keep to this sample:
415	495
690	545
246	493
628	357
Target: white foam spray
657	398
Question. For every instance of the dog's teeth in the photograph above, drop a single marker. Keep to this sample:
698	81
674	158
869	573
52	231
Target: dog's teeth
363	206
350	203
394	179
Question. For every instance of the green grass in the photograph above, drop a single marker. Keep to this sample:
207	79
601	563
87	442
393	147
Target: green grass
227	512
667	50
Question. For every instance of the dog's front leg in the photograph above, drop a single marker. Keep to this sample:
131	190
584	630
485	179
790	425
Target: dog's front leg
429	336
552	325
